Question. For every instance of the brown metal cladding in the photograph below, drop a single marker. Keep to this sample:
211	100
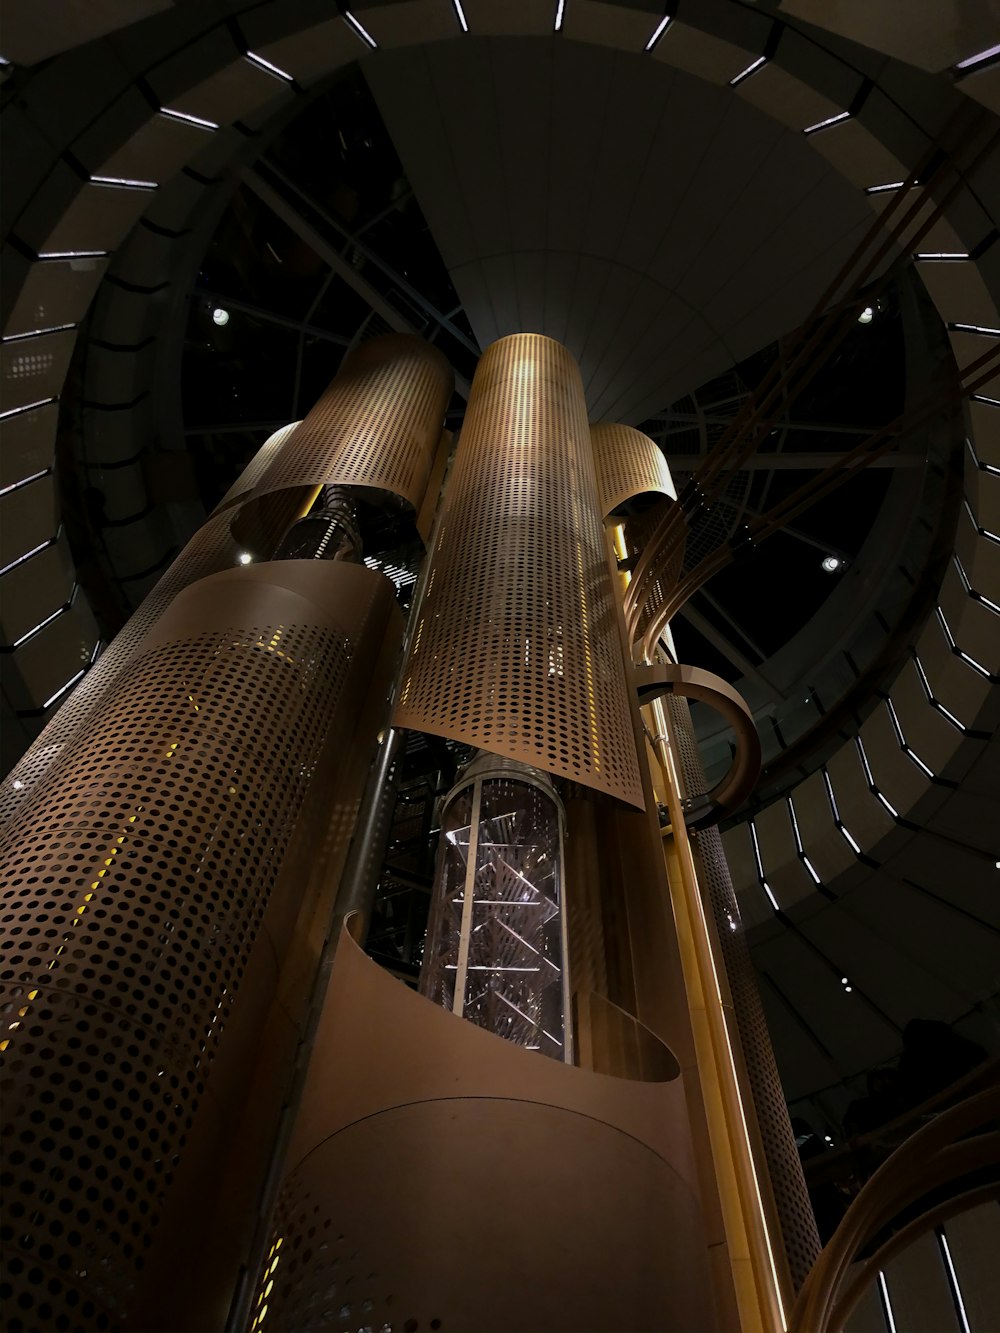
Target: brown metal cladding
462	1182
628	463
147	907
517	648
377	425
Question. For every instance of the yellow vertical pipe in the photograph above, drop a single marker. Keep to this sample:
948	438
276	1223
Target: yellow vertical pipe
755	1276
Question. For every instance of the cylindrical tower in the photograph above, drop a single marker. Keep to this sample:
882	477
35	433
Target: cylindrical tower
561	1198
169	875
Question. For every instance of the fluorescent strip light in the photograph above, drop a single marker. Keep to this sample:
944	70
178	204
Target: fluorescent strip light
560	15
73	254
268	68
750	69
976	666
884	189
941	254
42	623
361	30
982	398
945	626
16	486
825	124
460	14
658	32
956	1290
975	328
886	1305
981	58
28	407
122	183
68	686
43	546
809	866
36	333
188	119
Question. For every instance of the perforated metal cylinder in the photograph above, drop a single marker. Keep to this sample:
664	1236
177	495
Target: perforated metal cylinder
150	894
516	649
629	464
376	426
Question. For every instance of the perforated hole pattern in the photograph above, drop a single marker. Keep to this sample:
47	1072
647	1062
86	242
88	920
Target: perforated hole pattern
314	1279
795	1214
378	423
134	889
517	649
628	463
210	550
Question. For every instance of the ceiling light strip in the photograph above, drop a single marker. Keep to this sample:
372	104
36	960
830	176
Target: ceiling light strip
64	688
26	481
884	189
360	30
37	333
760	867
948	256
830	121
122	183
460	15
268	67
658	32
186	118
956	1290
47	255
35	550
983	467
28	407
744	74
974	328
560	15
47	621
839	823
979	60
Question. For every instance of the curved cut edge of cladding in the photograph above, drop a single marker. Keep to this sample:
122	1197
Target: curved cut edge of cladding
517	648
377	425
606	1164
628	463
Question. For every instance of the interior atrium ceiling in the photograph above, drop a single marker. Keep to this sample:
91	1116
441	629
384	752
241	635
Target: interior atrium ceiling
665	215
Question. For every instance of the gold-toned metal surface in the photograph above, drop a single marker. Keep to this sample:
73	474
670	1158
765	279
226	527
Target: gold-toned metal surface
517	649
377	425
628	463
559	1199
146	906
659	678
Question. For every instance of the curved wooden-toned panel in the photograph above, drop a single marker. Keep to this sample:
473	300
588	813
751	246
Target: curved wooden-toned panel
560	1198
377	425
628	464
517	647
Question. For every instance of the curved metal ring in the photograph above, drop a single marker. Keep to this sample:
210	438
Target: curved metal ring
652	681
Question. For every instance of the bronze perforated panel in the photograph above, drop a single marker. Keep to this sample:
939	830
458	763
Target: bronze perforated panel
209	551
135	885
516	649
258	465
378	424
628	463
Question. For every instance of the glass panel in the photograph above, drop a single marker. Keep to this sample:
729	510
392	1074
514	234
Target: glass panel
444	928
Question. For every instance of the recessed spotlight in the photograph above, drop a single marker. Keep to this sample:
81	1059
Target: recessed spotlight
831	563
17	784
867	315
220	316
245	558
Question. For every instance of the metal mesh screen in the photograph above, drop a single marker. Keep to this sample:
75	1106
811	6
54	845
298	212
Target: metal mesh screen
516	649
135	886
795	1214
628	463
